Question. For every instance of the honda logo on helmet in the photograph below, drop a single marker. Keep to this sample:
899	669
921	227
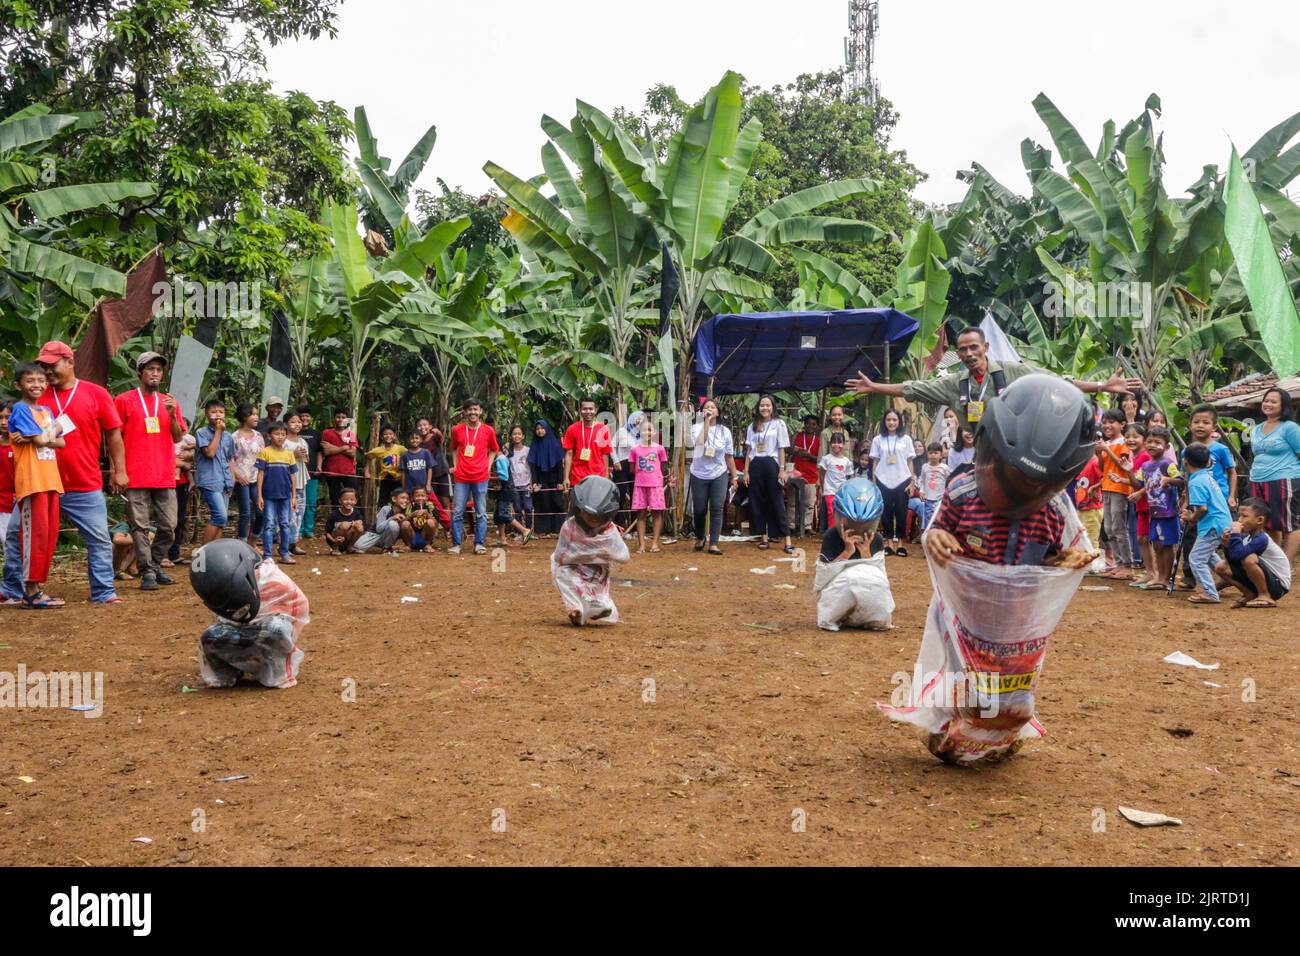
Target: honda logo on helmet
1033	464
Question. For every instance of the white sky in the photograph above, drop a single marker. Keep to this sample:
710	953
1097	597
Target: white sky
961	74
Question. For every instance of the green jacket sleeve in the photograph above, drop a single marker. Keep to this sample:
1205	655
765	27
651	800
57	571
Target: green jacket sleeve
940	391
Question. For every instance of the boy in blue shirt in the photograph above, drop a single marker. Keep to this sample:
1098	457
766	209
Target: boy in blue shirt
1207	517
212	474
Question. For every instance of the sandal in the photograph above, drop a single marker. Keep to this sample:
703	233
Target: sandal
1238	604
41	602
1261	602
1201	599
654	550
715	550
788	549
764	545
900	552
699	545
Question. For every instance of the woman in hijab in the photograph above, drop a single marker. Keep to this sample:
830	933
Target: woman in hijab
546	460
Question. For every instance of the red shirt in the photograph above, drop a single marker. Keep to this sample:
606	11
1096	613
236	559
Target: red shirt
805	469
1143	506
6	479
338	464
986	536
594	439
150	457
472	446
93	412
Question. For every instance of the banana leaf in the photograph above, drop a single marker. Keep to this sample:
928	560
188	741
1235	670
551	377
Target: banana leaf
60	200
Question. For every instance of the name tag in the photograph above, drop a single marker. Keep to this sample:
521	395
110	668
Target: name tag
760	447
584	454
469	451
708	451
974	411
151	425
891	460
45	454
66	424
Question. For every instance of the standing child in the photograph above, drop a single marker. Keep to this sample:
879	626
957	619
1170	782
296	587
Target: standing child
416	465
301	453
521	475
1139	510
214	468
507	511
384	463
833	471
1256	564
7	499
1207	517
862	468
1116	471
1162	504
934	479
1087	500
276	467
37	487
589	545
648	460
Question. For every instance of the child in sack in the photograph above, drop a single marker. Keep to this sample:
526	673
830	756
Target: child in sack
851	585
1031	442
589	544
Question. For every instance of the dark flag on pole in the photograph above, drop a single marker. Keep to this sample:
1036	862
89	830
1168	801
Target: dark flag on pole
669	285
116	320
279	360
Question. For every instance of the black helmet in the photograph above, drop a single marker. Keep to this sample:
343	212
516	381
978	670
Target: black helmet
1043	426
596	500
223	574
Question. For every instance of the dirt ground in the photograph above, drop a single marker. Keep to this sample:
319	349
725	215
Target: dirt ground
480	706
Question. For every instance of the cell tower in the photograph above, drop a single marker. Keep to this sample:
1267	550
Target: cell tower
860	50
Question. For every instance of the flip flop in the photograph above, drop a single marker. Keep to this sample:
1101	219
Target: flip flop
1261	602
715	551
42	602
1239	603
1200	599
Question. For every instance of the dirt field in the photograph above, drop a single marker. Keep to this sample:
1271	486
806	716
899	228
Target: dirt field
481	702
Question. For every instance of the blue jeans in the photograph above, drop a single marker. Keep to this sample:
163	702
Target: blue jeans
928	508
250	518
460	495
13	573
1202	560
278	514
89	512
218	514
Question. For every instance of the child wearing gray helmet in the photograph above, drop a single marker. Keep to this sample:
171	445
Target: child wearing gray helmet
589	544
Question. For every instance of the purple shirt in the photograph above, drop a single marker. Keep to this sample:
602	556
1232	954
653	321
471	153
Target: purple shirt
1163	501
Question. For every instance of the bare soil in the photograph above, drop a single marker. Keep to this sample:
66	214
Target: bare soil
481	705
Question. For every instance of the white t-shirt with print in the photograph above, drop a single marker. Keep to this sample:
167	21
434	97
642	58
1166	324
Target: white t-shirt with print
709	466
897	449
835	472
765	440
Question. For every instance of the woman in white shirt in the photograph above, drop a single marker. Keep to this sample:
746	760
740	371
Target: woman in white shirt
713	473
891	456
766	440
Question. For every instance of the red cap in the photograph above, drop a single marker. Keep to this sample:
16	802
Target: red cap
51	352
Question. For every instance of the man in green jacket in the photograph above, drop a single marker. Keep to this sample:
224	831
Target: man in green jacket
981	378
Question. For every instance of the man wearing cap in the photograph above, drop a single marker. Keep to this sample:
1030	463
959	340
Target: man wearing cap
151	425
274	407
88	417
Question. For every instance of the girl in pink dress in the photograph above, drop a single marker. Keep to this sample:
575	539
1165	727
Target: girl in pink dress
649	463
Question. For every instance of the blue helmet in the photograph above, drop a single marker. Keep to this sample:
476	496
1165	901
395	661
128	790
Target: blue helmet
858	501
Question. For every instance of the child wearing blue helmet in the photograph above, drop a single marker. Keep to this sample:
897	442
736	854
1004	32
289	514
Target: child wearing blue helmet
857	507
851	585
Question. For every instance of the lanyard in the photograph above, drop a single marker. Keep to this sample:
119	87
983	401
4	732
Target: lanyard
143	408
61	406
807	441
473	442
586	438
762	439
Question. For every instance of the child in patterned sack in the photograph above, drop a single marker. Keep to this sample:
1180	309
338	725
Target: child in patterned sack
589	544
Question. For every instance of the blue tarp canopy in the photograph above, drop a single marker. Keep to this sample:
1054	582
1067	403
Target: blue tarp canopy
798	351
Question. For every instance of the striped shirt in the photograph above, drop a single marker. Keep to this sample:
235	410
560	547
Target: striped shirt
996	539
279	466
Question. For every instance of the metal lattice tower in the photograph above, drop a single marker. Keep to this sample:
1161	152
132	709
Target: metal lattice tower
860	50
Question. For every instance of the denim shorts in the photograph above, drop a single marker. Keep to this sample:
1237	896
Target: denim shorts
218	507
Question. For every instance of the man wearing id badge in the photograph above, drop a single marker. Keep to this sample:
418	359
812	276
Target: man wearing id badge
151	426
587	446
474	448
89	421
981	378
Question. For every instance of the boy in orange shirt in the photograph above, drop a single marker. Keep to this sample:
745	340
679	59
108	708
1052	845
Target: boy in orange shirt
1116	485
36	483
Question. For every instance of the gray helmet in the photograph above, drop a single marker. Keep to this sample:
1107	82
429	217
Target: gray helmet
1042	425
596	498
223	574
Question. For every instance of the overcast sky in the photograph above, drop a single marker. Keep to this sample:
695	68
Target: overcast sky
961	74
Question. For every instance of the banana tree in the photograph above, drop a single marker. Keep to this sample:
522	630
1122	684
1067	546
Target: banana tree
389	193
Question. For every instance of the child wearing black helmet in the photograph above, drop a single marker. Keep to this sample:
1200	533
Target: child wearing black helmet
260	614
994	606
589	544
